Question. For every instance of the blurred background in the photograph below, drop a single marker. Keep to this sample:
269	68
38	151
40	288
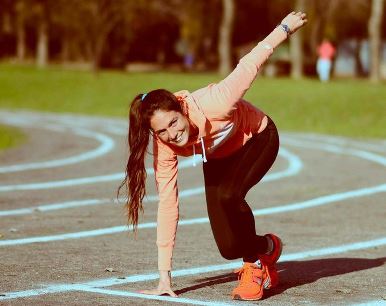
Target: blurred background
93	56
189	34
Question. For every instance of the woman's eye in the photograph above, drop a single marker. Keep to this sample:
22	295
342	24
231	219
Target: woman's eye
174	123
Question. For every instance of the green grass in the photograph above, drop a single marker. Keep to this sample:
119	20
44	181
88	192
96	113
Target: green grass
10	137
352	108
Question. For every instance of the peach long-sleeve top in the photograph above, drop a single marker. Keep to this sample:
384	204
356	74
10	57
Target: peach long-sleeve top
218	112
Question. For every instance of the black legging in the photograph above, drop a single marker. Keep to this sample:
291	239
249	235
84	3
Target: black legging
227	181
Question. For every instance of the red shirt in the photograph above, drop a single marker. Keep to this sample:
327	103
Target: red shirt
326	50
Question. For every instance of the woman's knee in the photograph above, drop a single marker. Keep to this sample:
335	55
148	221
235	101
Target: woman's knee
226	195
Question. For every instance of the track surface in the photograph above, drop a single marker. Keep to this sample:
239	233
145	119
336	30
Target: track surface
64	240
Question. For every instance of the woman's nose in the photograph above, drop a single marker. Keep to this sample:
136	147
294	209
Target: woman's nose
172	134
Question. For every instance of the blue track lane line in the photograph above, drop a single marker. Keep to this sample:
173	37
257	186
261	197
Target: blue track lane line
154	297
319	201
371	303
107	144
336	149
54	206
380	147
294	167
193	271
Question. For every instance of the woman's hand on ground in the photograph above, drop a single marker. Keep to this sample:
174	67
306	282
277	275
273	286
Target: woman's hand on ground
164	286
295	21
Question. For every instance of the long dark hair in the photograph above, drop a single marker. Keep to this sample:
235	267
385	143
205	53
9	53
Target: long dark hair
142	109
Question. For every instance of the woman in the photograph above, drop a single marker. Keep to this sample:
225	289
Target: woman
239	144
326	52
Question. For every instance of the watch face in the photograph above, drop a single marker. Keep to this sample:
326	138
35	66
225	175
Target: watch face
286	29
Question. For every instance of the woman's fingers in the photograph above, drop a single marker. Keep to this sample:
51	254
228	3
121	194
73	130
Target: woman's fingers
171	293
158	292
295	20
150	291
301	18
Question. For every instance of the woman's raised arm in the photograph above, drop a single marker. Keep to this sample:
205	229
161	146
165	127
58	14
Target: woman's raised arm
222	96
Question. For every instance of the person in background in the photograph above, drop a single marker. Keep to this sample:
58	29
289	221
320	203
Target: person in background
238	143
326	52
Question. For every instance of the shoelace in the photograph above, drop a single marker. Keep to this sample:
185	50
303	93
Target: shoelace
245	275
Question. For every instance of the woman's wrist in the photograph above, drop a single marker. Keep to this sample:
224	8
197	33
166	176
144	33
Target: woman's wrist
275	38
285	28
164	274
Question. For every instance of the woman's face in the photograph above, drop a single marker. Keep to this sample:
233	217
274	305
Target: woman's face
171	127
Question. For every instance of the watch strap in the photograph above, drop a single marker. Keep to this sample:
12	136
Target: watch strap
285	28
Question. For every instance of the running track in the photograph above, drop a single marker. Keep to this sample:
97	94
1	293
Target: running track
107	135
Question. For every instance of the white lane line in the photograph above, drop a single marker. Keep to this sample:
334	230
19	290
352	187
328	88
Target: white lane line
340	141
371	303
113	126
115	130
55	206
319	201
194	271
107	144
294	168
336	149
153	297
64	183
323	200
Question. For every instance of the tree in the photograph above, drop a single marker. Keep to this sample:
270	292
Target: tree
20	31
42	52
296	47
375	38
352	25
225	34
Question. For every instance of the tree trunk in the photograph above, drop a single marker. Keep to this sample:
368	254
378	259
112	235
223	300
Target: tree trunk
322	11
357	57
225	36
296	43
20	31
318	24
65	48
42	43
97	54
374	27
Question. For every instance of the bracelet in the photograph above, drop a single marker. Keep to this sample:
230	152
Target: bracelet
285	28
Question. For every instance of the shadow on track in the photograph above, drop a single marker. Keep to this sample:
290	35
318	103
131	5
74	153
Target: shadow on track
298	273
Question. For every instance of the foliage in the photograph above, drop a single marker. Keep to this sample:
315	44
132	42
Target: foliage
111	33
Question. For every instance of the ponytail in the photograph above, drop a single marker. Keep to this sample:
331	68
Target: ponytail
135	178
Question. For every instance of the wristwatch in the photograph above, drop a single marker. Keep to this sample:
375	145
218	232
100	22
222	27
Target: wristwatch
285	28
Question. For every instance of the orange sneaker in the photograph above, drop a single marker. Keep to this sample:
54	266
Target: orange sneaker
252	278
270	261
